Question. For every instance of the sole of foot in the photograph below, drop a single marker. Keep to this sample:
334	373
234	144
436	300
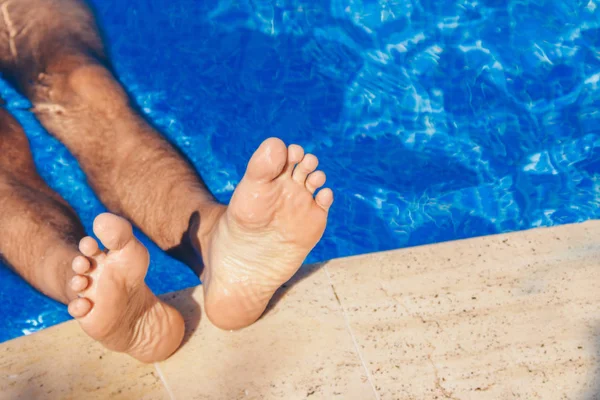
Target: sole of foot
275	218
115	307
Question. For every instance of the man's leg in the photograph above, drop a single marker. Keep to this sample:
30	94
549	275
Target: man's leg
57	59
39	231
40	239
249	249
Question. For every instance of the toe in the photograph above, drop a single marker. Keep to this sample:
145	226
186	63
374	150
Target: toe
315	181
79	308
295	155
81	264
79	283
88	246
268	161
114	232
324	199
308	164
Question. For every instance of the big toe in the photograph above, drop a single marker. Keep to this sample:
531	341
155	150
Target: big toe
268	161
114	232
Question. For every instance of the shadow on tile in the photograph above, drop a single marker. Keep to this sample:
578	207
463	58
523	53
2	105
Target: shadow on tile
304	272
29	392
186	300
189	307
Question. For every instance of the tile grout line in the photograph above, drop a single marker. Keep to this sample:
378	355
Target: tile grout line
354	341
164	381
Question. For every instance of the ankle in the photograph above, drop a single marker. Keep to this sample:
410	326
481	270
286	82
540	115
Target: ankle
203	223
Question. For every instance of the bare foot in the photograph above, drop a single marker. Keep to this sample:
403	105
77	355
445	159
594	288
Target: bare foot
116	307
261	239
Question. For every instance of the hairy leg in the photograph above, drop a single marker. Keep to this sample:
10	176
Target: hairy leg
57	58
249	249
43	241
39	231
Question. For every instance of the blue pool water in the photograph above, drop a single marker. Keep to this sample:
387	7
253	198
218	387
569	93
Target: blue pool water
435	120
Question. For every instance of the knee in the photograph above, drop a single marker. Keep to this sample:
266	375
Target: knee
76	82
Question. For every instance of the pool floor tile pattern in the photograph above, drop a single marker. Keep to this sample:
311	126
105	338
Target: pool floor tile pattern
500	317
61	362
513	316
301	349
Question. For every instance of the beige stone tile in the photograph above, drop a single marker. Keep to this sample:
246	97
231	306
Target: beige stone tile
505	317
300	349
63	363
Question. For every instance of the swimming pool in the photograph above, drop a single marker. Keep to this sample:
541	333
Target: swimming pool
434	120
